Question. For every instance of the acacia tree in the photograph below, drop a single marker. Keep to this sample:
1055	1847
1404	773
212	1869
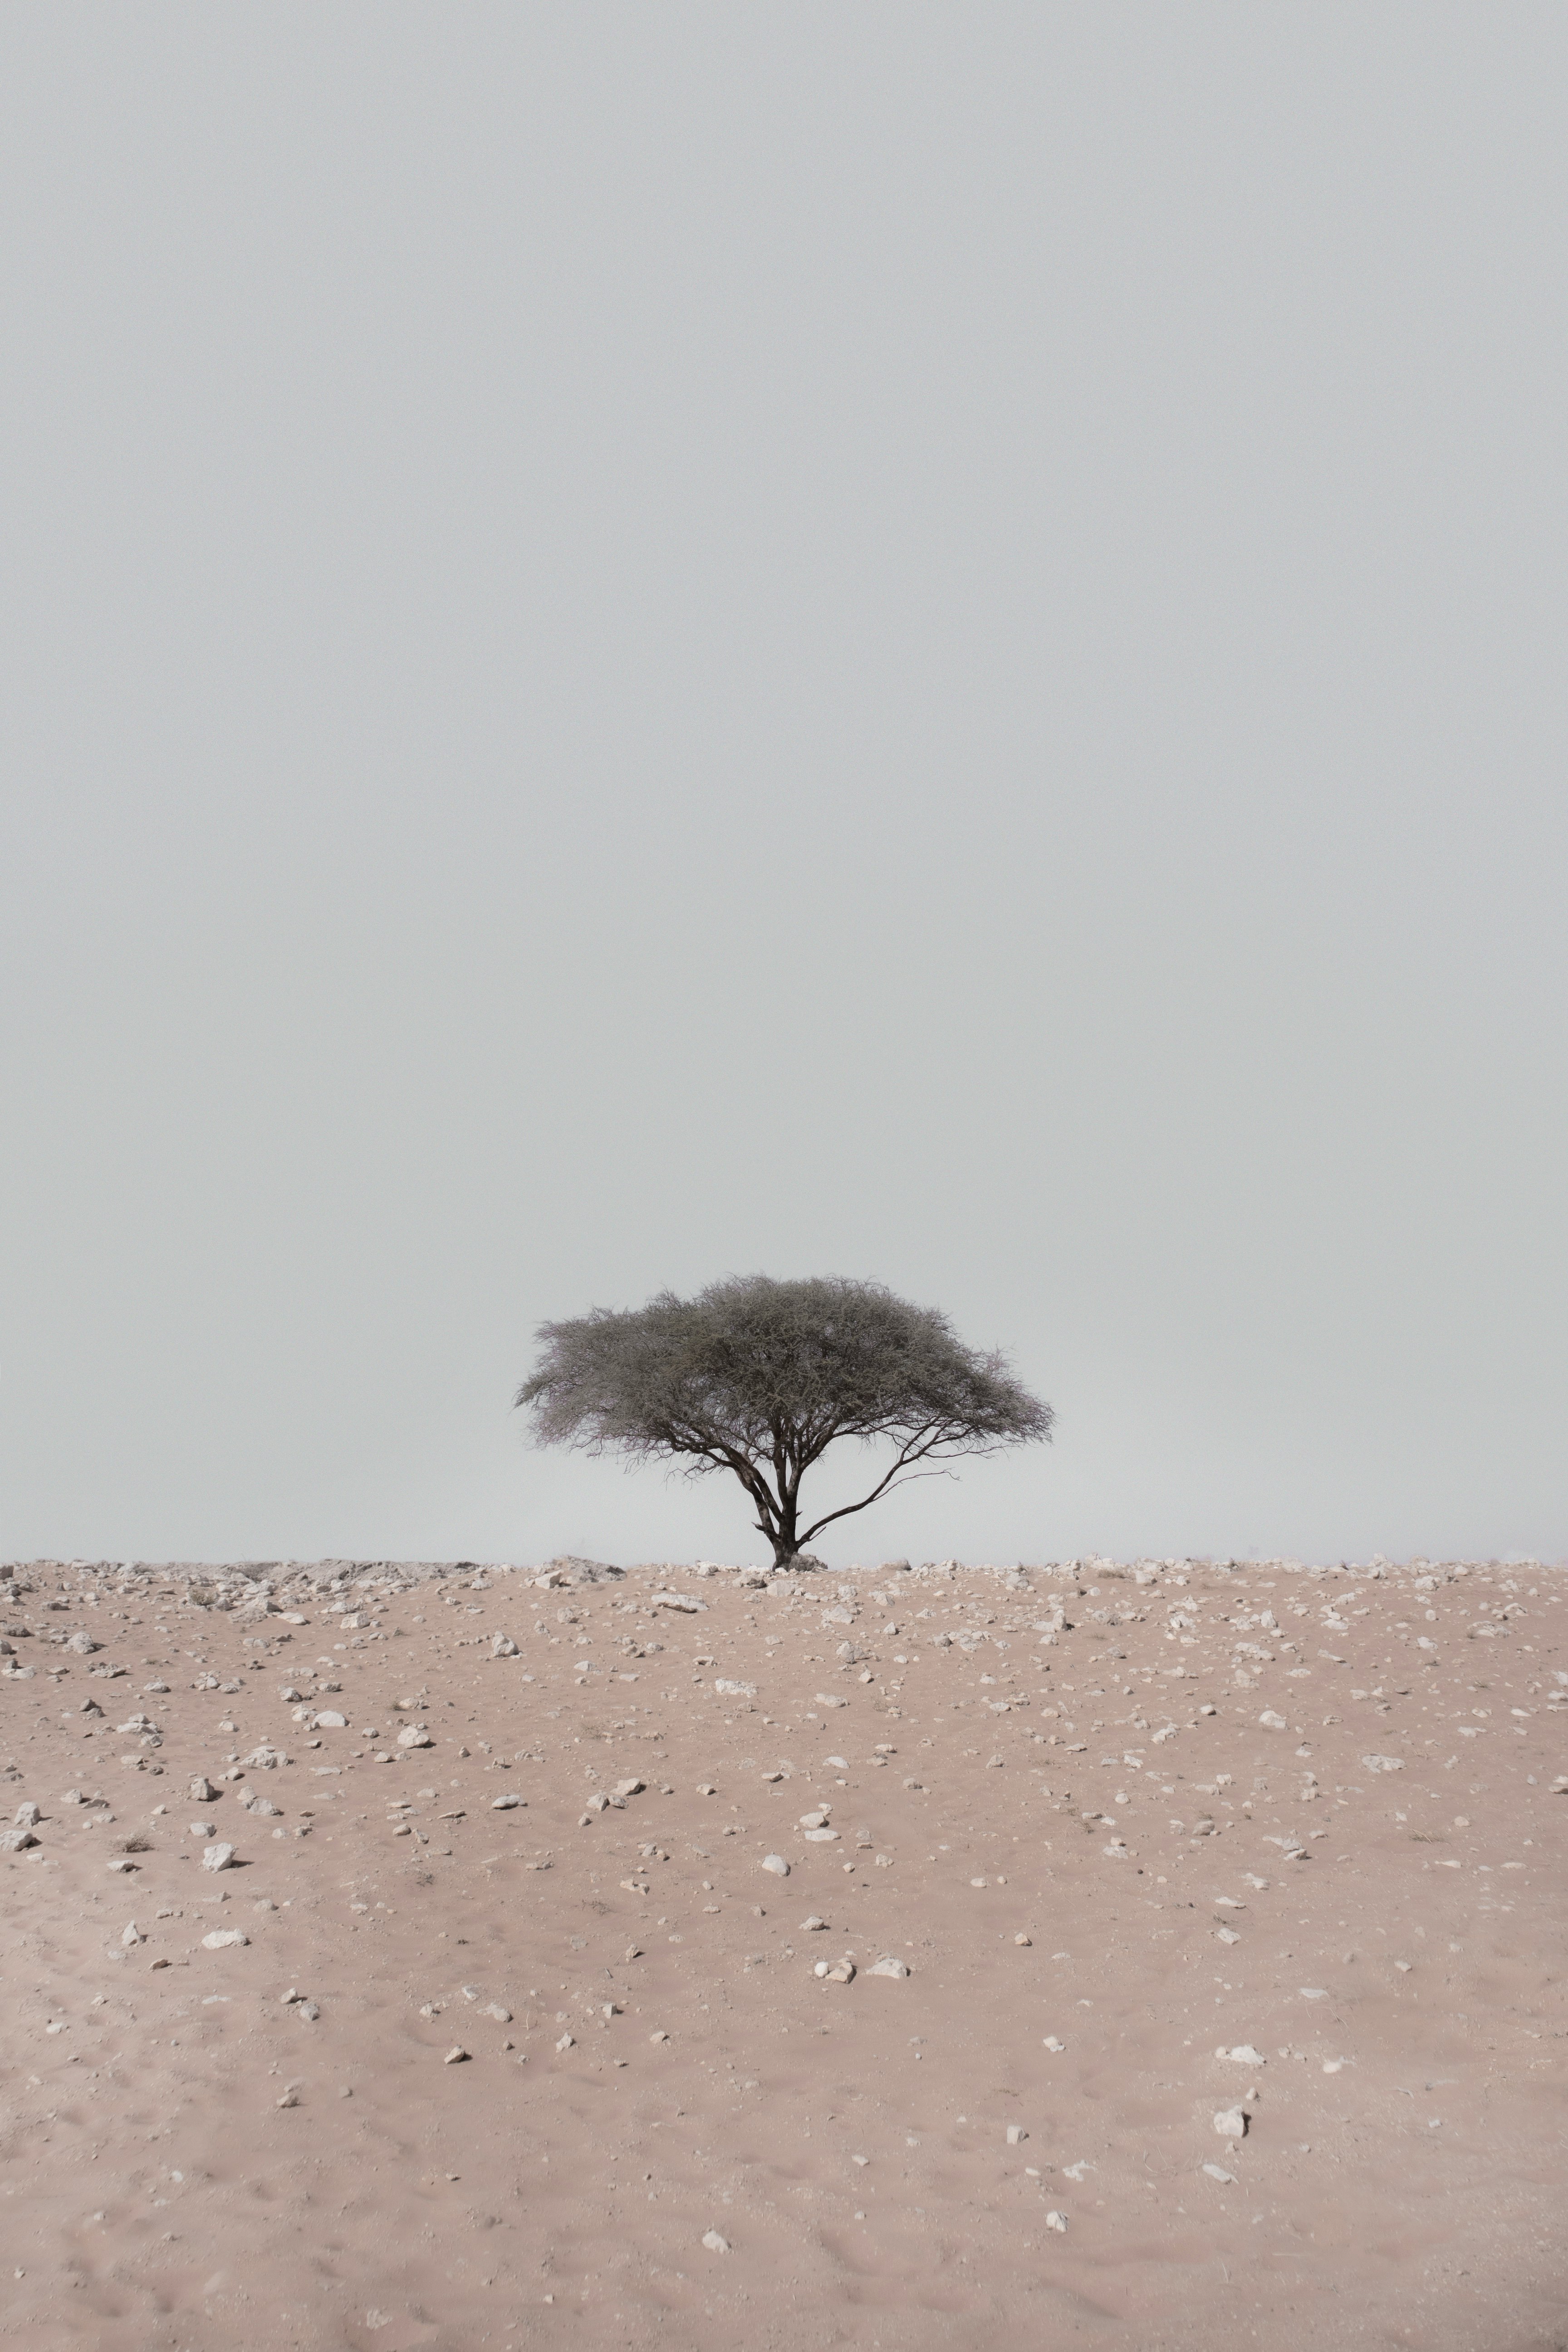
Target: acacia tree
760	1378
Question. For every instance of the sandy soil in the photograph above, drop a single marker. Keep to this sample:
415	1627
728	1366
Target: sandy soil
1271	1846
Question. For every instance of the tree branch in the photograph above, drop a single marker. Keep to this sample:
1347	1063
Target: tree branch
942	1434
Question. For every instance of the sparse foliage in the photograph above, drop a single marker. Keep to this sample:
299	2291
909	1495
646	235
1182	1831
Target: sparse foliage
759	1378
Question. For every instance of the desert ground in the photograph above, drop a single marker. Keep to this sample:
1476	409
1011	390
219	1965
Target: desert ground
1151	1956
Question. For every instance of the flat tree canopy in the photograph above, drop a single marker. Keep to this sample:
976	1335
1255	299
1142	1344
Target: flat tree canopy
760	1378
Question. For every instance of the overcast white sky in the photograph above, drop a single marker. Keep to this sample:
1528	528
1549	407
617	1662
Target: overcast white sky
915	642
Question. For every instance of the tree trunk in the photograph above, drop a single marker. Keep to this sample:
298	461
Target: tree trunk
782	1536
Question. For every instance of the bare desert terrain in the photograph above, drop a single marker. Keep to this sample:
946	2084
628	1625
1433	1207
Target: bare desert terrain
1153	1957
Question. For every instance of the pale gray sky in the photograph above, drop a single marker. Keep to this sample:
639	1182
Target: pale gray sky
917	642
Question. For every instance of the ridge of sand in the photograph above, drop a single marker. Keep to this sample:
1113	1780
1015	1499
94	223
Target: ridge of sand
1167	1955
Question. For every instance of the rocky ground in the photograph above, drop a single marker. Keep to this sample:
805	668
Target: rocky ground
453	1957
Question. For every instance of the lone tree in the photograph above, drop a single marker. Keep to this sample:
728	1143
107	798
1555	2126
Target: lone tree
760	1378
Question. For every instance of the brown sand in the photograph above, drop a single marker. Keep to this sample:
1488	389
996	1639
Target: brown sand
1033	1815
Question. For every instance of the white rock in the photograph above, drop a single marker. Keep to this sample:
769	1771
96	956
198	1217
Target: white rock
830	1698
1017	2135
1056	2221
455	2056
682	1600
29	1816
414	1736
506	1804
1227	1936
1052	2043
714	2242
329	1719
83	1643
776	1863
222	1938
1243	2055
494	2008
204	1829
1218	2173
1270	1722
1313	1993
202	1791
820	1837
131	1935
809	1927
16	1841
735	1690
218	1857
567	2042
630	1788
1231	2122
887	1965
1382	1763
503	1646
